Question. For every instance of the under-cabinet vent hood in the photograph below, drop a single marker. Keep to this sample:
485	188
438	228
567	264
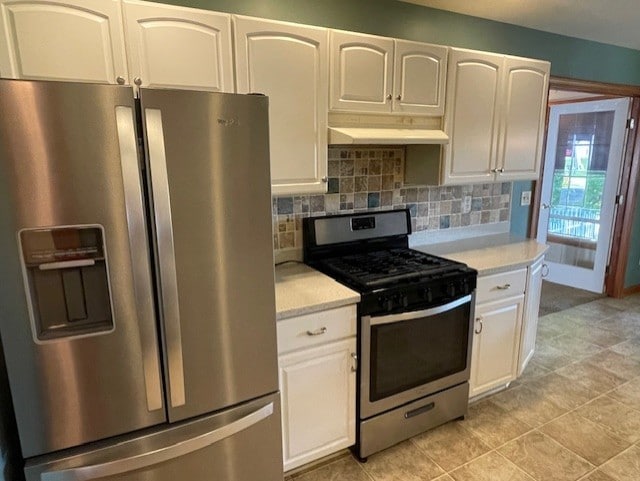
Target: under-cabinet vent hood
366	129
370	135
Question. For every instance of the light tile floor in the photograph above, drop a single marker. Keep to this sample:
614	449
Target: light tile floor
573	415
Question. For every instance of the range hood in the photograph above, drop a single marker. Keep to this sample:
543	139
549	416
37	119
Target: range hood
375	135
368	129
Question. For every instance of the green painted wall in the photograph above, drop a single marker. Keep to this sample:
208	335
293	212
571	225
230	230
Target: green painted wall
570	57
632	275
520	216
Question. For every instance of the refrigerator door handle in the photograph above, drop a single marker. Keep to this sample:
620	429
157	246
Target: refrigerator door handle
139	260
129	464
166	255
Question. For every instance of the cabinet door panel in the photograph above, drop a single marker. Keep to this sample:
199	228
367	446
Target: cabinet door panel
62	40
361	72
530	318
289	64
178	47
419	72
524	109
471	118
318	402
495	348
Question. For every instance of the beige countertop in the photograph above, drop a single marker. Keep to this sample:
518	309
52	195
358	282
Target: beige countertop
489	254
302	290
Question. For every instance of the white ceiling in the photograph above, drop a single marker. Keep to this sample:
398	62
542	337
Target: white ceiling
616	22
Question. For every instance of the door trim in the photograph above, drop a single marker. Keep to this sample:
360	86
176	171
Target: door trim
614	279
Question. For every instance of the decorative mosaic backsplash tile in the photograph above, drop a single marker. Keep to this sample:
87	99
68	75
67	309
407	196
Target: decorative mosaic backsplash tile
368	179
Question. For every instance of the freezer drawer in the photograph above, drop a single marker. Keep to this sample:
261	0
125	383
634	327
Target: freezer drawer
240	444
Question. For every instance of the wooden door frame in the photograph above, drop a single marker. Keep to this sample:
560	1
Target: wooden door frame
621	238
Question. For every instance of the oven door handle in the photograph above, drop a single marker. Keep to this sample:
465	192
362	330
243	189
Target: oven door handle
408	316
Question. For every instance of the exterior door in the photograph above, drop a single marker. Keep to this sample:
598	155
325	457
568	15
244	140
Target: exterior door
584	154
208	161
74	40
176	47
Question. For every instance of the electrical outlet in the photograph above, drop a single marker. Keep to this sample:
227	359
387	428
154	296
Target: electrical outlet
466	204
525	198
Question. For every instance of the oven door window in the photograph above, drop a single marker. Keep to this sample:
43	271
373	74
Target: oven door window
410	353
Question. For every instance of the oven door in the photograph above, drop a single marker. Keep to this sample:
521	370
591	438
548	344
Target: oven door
413	354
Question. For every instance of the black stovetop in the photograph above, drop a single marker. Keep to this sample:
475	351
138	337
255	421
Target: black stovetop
384	268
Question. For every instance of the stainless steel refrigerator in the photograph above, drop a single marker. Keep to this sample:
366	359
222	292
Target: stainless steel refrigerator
137	308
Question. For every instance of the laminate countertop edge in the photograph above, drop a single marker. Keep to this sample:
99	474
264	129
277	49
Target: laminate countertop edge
303	290
490	254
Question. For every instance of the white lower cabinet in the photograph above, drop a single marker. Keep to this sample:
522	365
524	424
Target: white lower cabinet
317	372
496	343
500	300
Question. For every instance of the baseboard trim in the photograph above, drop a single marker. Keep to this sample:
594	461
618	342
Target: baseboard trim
627	291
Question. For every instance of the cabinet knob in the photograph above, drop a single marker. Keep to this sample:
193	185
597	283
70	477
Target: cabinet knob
504	287
501	170
137	81
545	206
325	179
120	80
479	329
399	97
389	97
354	367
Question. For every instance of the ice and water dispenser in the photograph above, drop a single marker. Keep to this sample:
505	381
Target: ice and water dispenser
67	282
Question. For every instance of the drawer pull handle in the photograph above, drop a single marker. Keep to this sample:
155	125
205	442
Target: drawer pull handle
317	332
504	287
479	330
354	367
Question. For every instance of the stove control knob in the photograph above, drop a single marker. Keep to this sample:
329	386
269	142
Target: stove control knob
386	303
451	290
403	300
428	294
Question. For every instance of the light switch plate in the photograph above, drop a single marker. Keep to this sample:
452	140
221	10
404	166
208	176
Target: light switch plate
525	198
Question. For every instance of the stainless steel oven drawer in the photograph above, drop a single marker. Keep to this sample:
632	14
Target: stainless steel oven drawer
392	427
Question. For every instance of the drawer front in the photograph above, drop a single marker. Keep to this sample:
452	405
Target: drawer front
316	328
499	286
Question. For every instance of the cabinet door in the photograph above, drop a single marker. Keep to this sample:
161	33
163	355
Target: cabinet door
318	401
361	72
178	47
418	78
288	63
471	116
530	318
496	342
76	40
526	83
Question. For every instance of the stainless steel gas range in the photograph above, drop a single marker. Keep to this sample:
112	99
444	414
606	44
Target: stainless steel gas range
414	328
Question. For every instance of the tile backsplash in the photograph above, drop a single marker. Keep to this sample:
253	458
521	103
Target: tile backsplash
365	179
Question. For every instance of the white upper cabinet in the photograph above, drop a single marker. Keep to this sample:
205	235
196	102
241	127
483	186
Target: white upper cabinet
378	74
288	62
524	110
471	118
361	72
176	47
494	117
80	40
419	78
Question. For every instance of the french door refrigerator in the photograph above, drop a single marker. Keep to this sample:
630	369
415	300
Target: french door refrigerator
137	289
